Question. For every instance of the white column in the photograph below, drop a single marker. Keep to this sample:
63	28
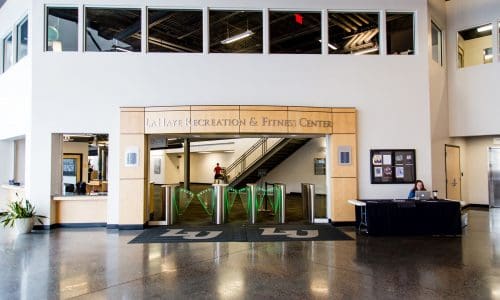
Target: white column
206	31
324	32
383	34
265	33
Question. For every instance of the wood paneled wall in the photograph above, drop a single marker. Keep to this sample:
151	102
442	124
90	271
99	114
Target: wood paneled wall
136	123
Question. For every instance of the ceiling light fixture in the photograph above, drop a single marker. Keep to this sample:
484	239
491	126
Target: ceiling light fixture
237	37
371	50
330	46
485	28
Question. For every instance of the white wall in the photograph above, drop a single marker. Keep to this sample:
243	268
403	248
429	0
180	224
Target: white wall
6	166
299	168
111	80
473	91
15	83
20	165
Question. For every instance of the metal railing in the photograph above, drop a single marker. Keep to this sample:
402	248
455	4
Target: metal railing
251	156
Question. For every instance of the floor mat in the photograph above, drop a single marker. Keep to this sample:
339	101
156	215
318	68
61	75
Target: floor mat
246	233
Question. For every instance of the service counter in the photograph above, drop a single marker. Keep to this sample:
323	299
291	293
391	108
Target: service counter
409	217
80	209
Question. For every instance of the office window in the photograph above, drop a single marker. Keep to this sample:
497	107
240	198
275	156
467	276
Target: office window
295	32
353	33
175	30
8	53
400	34
62	29
437	44
22	39
113	30
473	44
235	31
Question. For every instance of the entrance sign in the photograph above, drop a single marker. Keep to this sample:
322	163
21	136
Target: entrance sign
238	119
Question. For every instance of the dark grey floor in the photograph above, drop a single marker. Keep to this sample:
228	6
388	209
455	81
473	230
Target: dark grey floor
100	264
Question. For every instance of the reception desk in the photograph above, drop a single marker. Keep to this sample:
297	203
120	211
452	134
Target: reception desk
80	209
410	217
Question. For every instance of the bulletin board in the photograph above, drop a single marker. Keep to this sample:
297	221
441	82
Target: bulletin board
392	166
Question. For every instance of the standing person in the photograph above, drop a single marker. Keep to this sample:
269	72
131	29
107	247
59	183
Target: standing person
217	171
419	186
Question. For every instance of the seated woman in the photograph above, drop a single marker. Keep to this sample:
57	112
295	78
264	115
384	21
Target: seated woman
419	186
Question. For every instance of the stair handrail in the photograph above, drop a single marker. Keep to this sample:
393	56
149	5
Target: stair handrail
241	161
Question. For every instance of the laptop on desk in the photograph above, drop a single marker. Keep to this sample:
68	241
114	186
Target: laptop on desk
422	195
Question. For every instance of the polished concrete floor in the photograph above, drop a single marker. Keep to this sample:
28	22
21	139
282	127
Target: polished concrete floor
100	264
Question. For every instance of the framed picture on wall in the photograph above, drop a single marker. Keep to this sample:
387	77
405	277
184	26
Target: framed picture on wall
157	166
392	166
72	166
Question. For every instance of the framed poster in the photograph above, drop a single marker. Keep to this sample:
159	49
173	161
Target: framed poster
392	166
72	166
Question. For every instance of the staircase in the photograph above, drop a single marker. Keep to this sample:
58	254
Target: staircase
264	156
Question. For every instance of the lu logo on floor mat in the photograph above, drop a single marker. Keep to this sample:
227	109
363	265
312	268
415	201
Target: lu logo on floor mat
246	233
293	234
192	235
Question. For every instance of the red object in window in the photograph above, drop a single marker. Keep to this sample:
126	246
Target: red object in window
299	18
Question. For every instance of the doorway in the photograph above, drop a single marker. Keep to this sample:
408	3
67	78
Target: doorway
244	159
453	172
494	177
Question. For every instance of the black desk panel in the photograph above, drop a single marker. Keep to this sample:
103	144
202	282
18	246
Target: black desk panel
410	217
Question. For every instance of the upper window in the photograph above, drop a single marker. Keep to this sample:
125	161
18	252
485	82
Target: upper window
437	44
295	32
474	46
235	31
400	33
113	30
22	39
353	33
175	30
62	29
8	53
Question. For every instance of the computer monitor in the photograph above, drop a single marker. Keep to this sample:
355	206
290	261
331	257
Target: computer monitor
422	195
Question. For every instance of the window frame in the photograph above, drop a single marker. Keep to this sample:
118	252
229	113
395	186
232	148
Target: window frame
141	8
146	31
5	37
260	10
381	35
441	52
291	10
415	31
46	24
458	48
18	26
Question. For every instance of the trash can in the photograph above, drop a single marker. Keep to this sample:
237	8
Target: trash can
308	199
219	207
170	205
279	203
252	203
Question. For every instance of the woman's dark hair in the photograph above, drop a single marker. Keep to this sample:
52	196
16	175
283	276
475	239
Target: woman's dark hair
415	185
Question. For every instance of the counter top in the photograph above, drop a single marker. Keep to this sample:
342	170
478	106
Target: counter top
80	198
12	187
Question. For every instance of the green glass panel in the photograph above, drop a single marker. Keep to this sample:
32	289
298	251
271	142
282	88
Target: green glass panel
184	198
243	195
231	195
205	198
